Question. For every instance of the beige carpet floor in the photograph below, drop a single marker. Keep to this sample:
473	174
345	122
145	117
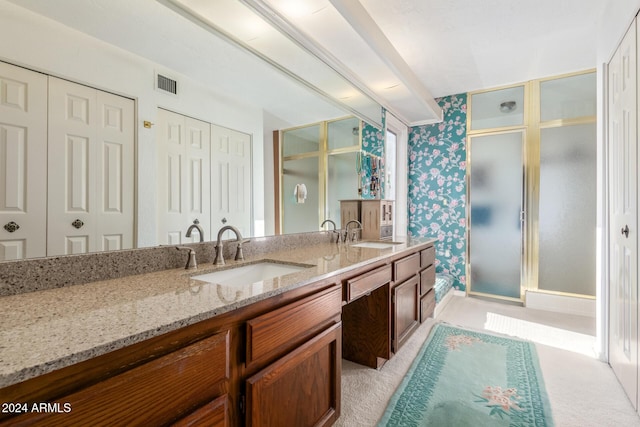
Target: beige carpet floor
583	390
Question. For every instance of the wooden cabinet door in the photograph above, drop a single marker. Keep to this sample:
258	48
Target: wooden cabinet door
406	312
300	389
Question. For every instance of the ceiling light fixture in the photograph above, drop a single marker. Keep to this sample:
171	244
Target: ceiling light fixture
508	106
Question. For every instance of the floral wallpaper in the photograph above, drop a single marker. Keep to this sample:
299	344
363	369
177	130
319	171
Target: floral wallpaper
438	188
372	143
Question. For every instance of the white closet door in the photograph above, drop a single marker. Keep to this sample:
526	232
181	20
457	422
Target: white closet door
184	175
90	170
231	179
23	163
115	181
623	290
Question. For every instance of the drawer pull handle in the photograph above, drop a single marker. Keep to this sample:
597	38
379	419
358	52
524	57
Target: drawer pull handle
11	227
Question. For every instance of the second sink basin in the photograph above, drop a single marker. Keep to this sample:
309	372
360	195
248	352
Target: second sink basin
376	245
250	273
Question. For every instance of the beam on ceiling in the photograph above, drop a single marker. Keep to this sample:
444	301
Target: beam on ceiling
360	20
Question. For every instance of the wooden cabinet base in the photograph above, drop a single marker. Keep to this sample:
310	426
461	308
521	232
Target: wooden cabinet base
300	389
150	394
366	329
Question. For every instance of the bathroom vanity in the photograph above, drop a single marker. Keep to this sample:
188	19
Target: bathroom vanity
170	348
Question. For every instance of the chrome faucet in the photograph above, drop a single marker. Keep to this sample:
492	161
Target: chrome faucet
354	235
219	260
197	226
191	261
334	231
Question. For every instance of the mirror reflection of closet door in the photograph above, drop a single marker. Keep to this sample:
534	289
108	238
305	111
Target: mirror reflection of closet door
496	200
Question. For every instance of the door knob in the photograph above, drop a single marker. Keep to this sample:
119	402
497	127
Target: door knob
11	227
625	231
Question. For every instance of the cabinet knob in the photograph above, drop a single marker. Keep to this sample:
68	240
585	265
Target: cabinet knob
11	227
77	224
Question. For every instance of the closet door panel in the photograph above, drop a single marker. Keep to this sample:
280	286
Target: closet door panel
184	190
90	176
72	111
23	160
231	179
115	169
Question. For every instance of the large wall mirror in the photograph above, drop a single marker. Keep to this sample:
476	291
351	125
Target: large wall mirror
121	49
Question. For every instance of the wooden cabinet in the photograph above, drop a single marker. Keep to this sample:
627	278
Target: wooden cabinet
406	313
376	217
281	330
306	337
274	362
287	345
405	298
300	389
149	394
427	282
366	319
349	210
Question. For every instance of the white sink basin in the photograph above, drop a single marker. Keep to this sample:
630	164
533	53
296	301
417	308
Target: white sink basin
251	273
375	245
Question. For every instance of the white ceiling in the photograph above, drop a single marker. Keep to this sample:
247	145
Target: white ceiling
456	46
451	46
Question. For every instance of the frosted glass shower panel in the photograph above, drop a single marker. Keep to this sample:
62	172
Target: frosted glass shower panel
568	97
498	108
343	133
496	192
567	223
301	140
300	214
342	183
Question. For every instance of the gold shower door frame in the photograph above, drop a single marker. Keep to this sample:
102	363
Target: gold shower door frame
531	129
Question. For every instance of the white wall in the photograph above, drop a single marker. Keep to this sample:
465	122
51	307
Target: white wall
613	24
41	44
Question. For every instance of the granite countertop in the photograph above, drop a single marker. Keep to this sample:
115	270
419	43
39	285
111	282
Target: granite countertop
51	329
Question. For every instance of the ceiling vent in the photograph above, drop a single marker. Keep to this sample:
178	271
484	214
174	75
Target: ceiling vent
166	84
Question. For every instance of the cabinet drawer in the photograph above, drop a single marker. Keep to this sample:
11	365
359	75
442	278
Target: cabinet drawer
427	279
386	231
367	282
406	267
427	305
427	257
281	330
149	394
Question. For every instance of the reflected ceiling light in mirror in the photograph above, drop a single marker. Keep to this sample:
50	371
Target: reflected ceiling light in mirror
358	47
280	49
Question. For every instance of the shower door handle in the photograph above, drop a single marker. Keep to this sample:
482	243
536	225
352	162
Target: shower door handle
625	231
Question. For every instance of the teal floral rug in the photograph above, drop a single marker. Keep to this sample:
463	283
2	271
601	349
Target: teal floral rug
465	378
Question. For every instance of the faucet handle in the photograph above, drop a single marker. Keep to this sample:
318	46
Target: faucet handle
239	253
191	260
